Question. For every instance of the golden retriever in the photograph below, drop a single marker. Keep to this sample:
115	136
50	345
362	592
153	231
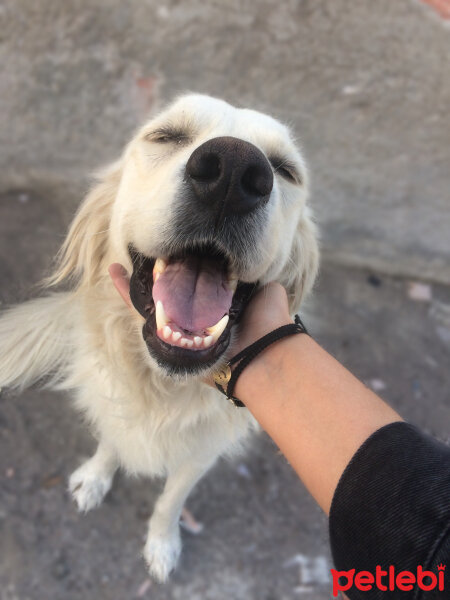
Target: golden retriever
206	203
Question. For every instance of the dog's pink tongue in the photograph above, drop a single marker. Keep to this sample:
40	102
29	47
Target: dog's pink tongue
194	293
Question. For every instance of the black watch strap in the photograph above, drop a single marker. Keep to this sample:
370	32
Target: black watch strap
226	377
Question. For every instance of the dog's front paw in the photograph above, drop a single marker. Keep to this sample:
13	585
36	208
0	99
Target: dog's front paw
161	554
88	487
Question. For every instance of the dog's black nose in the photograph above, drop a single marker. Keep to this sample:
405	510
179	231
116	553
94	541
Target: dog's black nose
230	175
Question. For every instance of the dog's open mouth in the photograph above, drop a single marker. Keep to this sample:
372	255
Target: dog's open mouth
190	301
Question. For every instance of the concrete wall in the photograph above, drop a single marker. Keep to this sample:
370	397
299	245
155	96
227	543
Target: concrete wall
365	84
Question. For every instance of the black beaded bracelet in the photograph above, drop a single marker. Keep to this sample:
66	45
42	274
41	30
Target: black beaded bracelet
229	378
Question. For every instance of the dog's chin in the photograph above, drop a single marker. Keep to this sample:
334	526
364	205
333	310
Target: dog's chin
191	346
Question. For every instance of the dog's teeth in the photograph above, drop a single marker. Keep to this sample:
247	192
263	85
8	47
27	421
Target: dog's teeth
216	330
198	341
176	336
161	317
185	343
158	268
156	276
232	284
207	341
167	332
160	265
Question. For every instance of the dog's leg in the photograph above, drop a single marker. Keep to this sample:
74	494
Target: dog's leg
163	545
90	483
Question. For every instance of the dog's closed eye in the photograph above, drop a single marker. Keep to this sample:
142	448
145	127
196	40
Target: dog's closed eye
169	135
286	169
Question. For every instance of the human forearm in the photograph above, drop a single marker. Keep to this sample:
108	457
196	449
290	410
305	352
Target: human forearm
314	409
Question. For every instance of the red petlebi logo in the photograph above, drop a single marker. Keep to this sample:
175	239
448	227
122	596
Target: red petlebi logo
388	580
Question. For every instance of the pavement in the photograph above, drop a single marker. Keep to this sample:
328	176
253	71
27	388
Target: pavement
263	536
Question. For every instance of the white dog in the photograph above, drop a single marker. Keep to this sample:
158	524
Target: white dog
206	202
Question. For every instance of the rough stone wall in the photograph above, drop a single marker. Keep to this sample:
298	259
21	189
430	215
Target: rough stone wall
364	84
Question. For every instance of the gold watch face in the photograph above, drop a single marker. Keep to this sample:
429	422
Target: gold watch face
223	375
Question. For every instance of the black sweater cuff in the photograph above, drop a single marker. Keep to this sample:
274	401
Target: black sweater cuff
392	507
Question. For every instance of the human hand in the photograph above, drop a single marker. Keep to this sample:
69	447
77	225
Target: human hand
121	281
267	310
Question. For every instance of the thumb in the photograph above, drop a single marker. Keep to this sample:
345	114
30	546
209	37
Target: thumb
121	281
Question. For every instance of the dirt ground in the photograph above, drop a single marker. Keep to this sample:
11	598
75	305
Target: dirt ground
263	536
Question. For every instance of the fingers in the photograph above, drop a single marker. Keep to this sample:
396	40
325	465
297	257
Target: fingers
121	282
267	310
269	305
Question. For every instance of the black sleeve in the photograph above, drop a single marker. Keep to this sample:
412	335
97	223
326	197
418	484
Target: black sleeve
392	507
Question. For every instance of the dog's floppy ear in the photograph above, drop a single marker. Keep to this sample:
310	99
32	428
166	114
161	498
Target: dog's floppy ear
81	255
301	270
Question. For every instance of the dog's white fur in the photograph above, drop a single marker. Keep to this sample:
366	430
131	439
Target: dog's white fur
87	341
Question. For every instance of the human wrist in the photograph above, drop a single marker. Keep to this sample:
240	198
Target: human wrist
267	367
